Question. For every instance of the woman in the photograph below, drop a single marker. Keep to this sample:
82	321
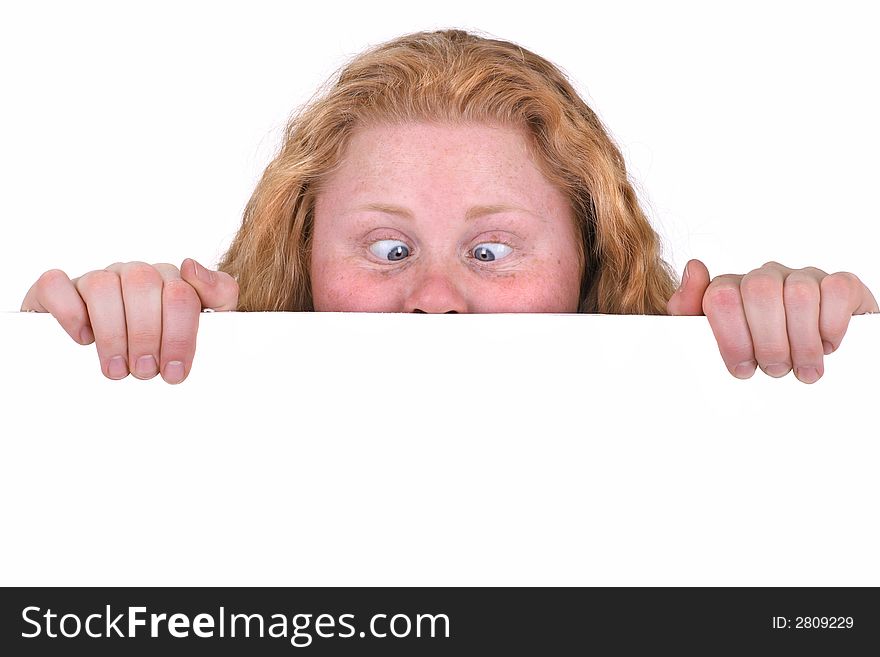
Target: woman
445	172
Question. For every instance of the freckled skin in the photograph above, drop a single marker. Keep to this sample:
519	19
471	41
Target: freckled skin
437	173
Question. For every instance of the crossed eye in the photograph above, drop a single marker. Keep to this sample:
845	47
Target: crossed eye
395	250
491	251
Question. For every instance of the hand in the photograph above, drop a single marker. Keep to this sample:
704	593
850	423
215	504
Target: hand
774	316
142	318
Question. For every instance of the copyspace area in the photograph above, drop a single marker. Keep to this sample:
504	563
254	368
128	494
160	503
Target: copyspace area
337	449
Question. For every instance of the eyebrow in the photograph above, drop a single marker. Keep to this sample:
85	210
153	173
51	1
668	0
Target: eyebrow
472	213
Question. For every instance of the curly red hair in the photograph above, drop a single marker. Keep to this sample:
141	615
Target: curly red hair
455	76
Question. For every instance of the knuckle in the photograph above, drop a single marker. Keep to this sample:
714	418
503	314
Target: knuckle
774	345
51	277
99	280
723	294
143	336
771	356
179	292
769	350
800	290
771	264
112	341
168	270
758	283
841	281
176	348
142	275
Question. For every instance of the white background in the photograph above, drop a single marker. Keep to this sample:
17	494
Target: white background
537	450
137	131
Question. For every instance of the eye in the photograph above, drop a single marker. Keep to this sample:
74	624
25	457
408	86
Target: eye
491	251
392	250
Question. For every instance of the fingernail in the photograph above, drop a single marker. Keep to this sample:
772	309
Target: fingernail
684	280
203	274
777	369
146	367
745	370
828	347
174	372
117	368
86	336
807	374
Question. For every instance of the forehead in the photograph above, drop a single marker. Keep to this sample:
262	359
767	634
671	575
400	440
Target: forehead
440	138
463	157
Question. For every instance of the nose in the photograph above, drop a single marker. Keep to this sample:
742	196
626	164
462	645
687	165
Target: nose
435	292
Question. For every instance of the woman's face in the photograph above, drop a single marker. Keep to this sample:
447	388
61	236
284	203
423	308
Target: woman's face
439	218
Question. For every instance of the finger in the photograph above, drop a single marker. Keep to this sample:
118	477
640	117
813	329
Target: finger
55	293
688	298
142	298
180	324
765	312
217	290
842	295
801	298
102	293
723	307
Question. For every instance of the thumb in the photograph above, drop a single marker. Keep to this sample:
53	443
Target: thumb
216	289
688	299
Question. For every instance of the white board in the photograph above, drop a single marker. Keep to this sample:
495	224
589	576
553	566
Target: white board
359	449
